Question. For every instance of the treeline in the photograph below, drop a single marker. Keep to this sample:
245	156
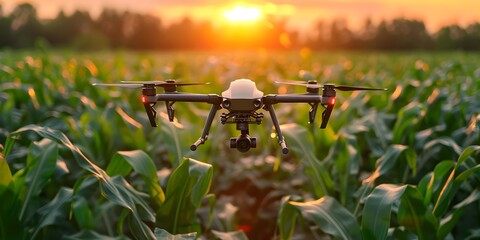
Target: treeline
115	29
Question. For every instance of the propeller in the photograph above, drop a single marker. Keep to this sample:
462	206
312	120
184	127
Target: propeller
118	85
145	84
314	85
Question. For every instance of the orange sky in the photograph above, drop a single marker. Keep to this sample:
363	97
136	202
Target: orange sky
300	14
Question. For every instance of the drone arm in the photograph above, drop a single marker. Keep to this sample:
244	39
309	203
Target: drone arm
292	98
280	138
189	97
211	115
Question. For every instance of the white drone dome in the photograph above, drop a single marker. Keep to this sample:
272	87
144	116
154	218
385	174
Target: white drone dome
242	89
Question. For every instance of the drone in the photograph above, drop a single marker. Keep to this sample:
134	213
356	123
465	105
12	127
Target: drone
243	101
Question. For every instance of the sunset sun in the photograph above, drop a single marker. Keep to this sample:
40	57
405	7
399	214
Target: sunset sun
240	13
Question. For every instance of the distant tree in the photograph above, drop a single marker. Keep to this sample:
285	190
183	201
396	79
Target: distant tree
334	35
25	26
115	26
472	38
340	35
319	38
57	31
449	37
146	32
6	33
402	34
122	29
63	30
182	35
383	39
458	38
366	35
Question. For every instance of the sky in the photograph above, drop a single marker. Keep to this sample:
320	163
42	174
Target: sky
300	14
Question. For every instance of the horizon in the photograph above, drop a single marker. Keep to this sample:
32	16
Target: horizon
301	16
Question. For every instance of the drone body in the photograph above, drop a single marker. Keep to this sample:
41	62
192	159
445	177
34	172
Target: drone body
243	101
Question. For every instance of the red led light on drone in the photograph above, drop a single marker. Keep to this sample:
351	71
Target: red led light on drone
332	101
144	100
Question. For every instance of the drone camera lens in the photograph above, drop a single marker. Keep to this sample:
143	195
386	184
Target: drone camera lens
243	143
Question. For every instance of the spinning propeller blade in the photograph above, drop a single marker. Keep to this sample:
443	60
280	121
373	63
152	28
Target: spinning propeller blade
351	88
140	84
314	85
164	83
118	85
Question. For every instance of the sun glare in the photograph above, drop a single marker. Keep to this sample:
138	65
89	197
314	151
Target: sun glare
242	14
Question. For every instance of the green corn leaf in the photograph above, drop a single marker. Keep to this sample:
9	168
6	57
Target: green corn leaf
11	227
454	181
137	159
123	162
236	235
41	164
59	137
211	199
226	217
186	187
387	162
171	133
114	189
346	160
118	191
440	173
377	210
287	216
449	222
474	234
92	235
331	217
414	215
408	118
82	213
301	142
162	234
5	174
8	146
442	148
56	211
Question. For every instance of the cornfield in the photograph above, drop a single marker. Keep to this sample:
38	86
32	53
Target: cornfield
80	162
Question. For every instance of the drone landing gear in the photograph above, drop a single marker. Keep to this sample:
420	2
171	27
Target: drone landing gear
170	110
280	138
326	115
206	128
313	112
151	113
